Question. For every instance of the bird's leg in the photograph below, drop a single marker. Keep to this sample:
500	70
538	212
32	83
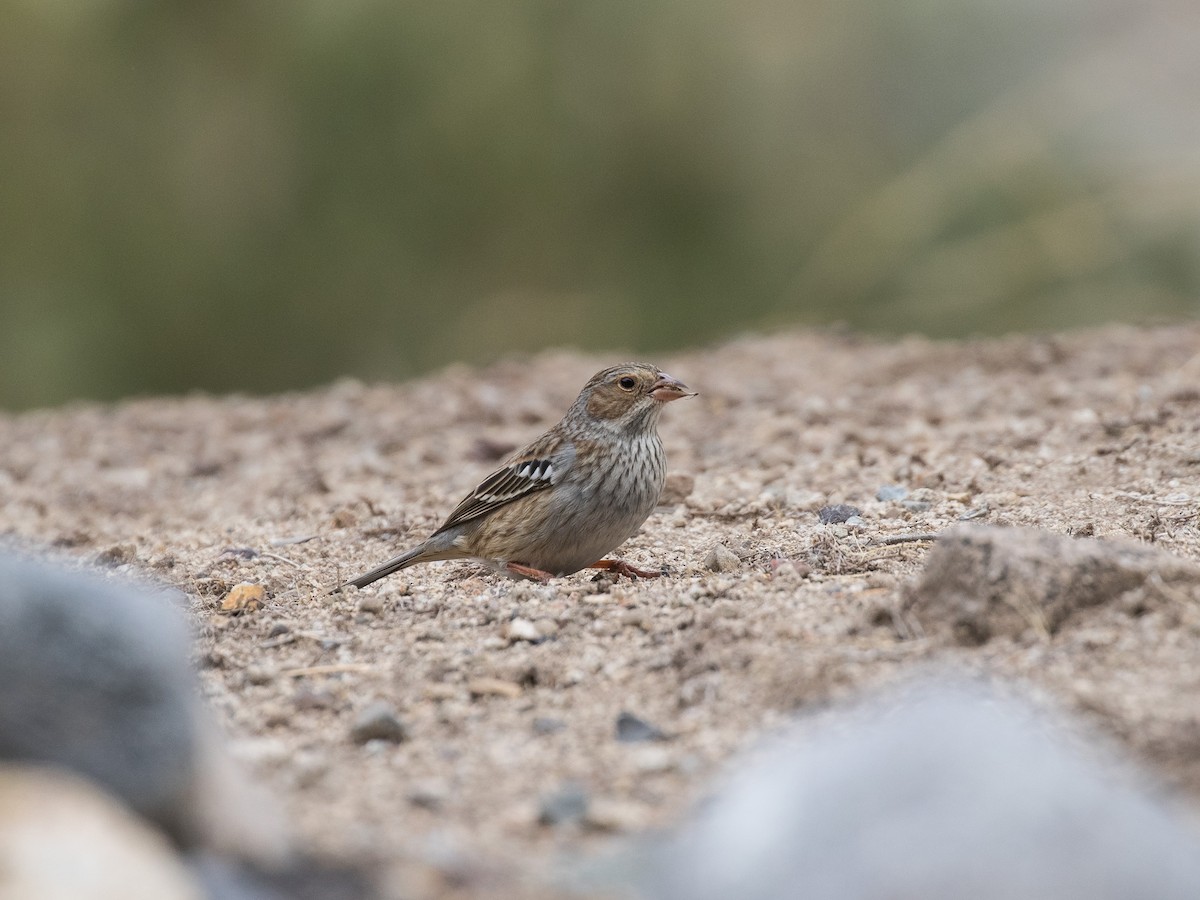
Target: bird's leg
619	567
527	572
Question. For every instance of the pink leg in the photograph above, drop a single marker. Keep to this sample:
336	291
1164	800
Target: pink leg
527	572
619	567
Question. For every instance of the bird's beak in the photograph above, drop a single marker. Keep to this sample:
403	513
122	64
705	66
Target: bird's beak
667	389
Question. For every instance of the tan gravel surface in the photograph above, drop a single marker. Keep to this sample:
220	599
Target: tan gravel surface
507	693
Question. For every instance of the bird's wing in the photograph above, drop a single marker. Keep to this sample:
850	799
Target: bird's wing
536	468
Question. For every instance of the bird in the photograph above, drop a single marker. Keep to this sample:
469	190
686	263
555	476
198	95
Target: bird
571	496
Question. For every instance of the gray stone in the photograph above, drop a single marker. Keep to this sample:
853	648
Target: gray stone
938	792
631	729
722	559
94	677
567	805
834	515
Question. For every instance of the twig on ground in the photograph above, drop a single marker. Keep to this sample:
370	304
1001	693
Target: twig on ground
905	538
330	669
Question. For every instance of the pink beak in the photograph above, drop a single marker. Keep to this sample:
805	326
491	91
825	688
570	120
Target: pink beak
667	389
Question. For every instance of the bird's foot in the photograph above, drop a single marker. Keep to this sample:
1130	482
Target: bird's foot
619	567
529	572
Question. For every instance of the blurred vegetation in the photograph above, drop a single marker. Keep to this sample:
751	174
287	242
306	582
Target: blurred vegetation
260	196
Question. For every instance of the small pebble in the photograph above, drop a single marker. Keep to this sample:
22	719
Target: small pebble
881	580
378	722
370	603
243	598
916	506
429	795
631	729
891	492
569	804
832	515
654	759
722	559
521	630
116	555
259	675
857	521
790	569
308	768
273	715
493	687
546	628
441	690
548	725
633	618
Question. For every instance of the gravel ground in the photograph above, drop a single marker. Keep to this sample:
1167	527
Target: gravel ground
463	730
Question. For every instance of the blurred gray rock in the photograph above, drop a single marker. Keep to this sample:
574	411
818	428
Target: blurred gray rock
94	677
632	730
938	793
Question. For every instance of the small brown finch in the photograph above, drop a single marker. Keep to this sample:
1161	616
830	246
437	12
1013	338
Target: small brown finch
576	493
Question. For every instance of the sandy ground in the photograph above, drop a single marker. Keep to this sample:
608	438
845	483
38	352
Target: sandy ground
1094	433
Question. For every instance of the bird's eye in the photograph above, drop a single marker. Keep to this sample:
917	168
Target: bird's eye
628	383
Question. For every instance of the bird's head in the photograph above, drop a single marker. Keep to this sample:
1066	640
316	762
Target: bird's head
630	396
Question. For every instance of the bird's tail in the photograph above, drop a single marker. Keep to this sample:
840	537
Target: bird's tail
416	555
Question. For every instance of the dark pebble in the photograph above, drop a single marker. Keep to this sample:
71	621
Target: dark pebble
832	515
240	553
631	729
378	722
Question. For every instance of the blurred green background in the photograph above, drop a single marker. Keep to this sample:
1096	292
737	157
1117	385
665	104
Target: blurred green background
260	196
